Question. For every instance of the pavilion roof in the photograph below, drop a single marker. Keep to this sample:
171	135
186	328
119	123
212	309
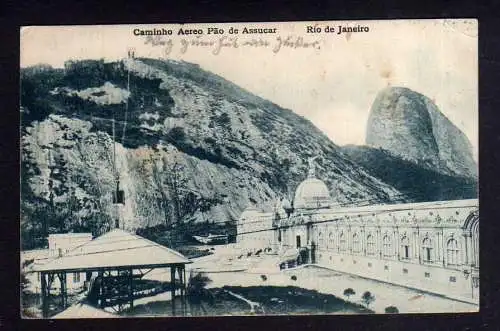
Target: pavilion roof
83	310
116	249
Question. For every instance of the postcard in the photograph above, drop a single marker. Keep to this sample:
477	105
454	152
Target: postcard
273	168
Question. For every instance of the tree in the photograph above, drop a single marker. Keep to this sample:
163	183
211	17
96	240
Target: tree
196	288
348	292
176	134
25	282
391	310
368	298
174	184
167	183
163	196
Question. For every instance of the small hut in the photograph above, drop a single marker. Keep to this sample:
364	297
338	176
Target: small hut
112	262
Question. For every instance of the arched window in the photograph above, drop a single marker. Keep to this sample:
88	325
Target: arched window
356	244
427	250
452	252
471	228
343	242
370	245
331	241
405	247
387	246
321	240
475	244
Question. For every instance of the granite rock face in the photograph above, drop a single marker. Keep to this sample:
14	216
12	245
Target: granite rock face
229	147
409	125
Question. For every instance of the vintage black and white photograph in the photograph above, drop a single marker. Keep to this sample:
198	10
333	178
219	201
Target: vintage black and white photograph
279	168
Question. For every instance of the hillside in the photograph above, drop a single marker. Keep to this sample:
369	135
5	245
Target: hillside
417	182
191	147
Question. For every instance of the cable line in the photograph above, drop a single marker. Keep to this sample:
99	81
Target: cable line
126	100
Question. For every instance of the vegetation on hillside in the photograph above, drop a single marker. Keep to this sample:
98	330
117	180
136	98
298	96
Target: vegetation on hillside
190	147
416	181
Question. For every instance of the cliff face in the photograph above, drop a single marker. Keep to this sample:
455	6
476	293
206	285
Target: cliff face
190	145
410	126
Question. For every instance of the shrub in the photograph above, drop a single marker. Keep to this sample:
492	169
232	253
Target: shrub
222	120
28	262
196	287
210	140
176	134
368	298
263	277
391	310
24	281
293	277
348	292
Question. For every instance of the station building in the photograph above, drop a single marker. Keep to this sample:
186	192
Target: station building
432	246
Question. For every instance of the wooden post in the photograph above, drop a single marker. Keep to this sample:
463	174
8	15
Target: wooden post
101	288
65	292
65	275
62	290
178	268
50	280
179	271
131	288
183	290
44	295
185	279
172	284
65	296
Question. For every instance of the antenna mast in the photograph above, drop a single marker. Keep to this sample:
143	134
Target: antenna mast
119	194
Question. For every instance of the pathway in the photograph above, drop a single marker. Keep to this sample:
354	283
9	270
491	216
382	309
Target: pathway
224	268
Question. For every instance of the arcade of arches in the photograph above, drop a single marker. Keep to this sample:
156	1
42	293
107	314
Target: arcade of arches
432	246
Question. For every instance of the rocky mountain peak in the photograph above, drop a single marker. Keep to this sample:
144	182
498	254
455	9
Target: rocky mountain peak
191	147
409	125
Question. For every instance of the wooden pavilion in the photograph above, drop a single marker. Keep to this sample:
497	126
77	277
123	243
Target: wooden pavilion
112	262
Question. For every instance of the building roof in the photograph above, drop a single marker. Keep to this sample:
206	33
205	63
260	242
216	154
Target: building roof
436	205
36	254
70	235
252	212
83	310
115	249
311	193
446	213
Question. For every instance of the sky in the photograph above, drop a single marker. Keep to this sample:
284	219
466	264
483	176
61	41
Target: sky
333	82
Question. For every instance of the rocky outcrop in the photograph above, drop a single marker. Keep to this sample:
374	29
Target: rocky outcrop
226	147
410	126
